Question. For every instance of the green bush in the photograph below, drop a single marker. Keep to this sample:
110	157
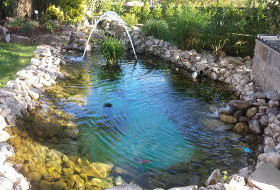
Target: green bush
74	10
130	19
157	28
170	10
53	13
15	22
33	23
179	9
146	11
157	12
274	15
49	25
25	28
188	27
112	49
119	8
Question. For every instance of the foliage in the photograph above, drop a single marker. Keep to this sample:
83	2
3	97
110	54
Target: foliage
53	13
179	9
157	12
130	19
112	49
170	10
33	23
15	22
119	8
25	28
74	10
188	26
13	57
49	25
6	8
146	11
157	28
273	7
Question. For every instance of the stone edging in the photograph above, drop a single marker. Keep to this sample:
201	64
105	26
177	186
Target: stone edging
18	98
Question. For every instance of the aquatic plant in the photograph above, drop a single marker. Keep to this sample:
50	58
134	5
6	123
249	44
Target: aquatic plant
112	49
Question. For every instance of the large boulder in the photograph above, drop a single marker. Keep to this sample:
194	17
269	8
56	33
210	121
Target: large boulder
20	39
48	39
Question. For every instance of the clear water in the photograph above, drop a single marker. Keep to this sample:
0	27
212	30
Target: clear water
158	129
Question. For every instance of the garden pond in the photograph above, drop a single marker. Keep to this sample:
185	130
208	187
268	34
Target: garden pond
145	123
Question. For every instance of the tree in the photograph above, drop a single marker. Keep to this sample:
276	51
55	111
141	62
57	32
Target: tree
22	8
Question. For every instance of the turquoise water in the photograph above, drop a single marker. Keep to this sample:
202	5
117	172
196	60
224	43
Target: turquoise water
155	129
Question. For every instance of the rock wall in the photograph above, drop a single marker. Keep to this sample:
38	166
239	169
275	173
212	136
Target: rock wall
266	67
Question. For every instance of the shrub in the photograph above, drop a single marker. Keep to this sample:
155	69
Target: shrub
273	7
53	13
112	49
146	11
33	23
74	10
25	28
179	9
157	12
119	8
170	10
106	6
188	26
130	19
157	28
49	25
15	22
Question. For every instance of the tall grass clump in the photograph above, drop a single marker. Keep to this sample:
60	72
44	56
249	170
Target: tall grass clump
157	28
188	26
112	49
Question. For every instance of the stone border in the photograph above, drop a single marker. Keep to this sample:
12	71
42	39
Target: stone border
19	98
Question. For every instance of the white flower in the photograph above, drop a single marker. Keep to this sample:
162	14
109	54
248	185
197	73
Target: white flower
36	12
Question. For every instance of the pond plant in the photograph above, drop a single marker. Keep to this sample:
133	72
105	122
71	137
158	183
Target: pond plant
112	49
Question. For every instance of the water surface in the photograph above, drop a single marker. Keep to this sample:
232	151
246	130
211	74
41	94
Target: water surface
156	125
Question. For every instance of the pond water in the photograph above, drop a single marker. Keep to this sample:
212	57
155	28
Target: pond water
150	121
154	124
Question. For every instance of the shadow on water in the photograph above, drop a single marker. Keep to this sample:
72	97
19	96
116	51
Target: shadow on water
145	120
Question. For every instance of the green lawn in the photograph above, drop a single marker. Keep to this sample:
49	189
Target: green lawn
13	57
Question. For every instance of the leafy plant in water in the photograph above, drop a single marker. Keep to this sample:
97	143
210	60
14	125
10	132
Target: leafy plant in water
112	49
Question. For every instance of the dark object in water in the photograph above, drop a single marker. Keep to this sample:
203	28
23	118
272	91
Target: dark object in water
107	105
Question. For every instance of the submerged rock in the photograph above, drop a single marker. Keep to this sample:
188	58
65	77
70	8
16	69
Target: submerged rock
228	119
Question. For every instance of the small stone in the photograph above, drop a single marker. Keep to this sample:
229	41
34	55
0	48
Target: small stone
273	103
251	112
272	95
4	136
264	120
214	178
241	128
274	159
228	119
6	184
243	119
254	127
238	104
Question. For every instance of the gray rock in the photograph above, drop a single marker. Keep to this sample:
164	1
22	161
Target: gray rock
126	187
6	184
20	39
251	112
274	110
79	35
245	172
264	120
192	187
214	178
254	127
3	30
272	95
265	177
239	104
274	159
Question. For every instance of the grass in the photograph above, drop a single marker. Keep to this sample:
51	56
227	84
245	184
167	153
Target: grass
13	57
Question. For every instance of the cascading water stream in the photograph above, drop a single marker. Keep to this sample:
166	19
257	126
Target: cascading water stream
122	23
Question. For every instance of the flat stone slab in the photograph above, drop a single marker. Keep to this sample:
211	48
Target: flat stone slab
265	177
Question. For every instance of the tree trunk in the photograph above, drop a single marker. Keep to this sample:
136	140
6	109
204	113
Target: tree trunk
23	8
